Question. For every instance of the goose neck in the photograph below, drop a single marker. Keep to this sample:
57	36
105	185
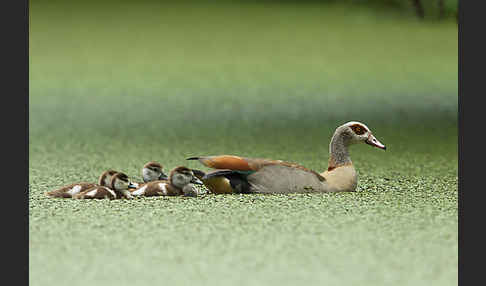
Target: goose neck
338	150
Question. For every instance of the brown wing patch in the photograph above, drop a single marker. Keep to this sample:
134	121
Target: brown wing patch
258	163
248	164
226	162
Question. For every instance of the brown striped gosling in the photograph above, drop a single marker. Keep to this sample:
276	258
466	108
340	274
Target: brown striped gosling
181	180
151	171
118	189
70	190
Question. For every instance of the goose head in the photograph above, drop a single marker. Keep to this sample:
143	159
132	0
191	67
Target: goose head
352	132
153	171
357	132
182	176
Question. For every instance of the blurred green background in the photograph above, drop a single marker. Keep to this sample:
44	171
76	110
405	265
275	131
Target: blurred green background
114	84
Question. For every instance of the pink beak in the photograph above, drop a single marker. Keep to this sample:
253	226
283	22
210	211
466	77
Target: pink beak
374	142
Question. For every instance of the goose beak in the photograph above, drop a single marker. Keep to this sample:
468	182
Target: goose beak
132	185
163	177
196	181
374	142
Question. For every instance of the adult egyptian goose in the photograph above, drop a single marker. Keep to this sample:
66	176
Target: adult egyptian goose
118	189
151	171
73	189
253	175
181	180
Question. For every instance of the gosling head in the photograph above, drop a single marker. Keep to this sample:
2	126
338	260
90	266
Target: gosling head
182	176
105	178
357	132
153	171
119	182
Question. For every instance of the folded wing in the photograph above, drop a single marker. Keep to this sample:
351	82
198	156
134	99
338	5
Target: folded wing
246	165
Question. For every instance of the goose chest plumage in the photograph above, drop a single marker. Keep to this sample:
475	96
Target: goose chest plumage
255	175
70	190
180	182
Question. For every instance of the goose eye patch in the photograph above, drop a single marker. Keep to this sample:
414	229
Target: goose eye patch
358	129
